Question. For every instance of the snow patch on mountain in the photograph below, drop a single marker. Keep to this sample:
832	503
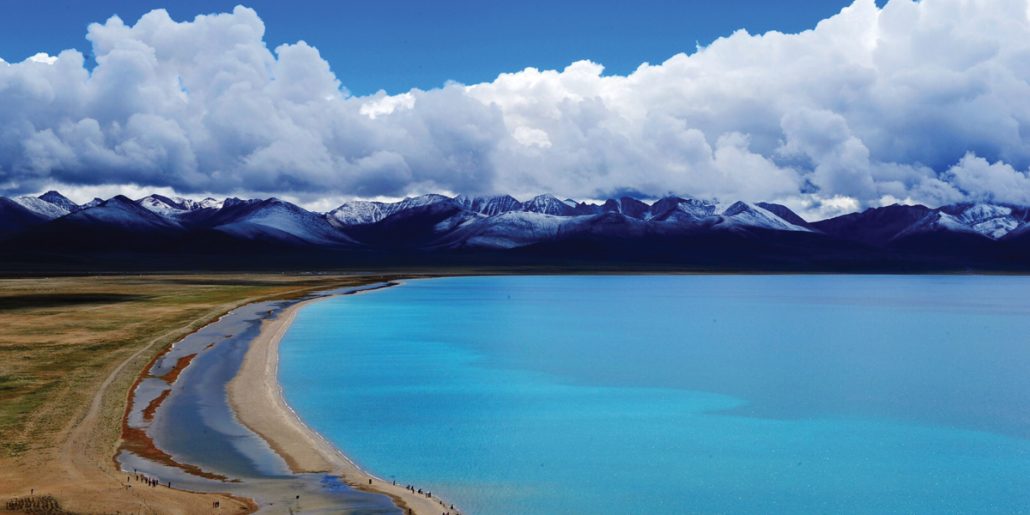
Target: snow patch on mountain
274	217
682	209
628	206
358	212
161	205
121	212
210	203
455	222
937	221
750	215
57	199
514	229
173	207
93	203
990	220
547	205
414	202
41	207
489	206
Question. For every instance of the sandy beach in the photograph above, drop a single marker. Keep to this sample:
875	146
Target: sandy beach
256	397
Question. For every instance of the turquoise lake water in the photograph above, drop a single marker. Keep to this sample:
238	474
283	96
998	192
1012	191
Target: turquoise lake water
679	394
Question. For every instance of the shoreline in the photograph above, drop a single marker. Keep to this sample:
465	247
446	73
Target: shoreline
256	398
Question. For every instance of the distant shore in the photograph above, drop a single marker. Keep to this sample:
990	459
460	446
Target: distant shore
257	400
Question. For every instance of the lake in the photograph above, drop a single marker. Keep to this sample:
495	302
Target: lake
679	393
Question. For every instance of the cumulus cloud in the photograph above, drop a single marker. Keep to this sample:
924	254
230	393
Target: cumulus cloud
977	179
920	101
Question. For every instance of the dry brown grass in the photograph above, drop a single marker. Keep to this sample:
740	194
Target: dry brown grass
71	347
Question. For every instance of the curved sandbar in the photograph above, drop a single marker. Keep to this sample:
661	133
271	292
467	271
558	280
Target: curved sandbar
256	397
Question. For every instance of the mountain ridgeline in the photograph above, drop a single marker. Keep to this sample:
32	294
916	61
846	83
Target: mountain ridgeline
501	231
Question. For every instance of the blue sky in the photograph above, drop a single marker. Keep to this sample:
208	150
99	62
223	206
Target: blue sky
399	44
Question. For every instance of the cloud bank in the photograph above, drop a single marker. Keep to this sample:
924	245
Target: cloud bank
916	102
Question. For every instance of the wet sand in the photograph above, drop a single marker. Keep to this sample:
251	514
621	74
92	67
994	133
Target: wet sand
256	397
180	428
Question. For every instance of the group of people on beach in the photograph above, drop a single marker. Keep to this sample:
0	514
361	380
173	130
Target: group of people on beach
146	480
412	490
428	494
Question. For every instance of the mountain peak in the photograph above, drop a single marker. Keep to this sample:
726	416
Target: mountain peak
93	203
548	205
57	199
118	201
234	201
121	212
543	226
755	216
42	207
489	205
357	212
676	207
628	206
737	208
785	213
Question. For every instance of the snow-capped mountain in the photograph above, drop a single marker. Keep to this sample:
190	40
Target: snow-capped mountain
92	203
41	207
210	203
506	231
50	205
59	200
490	206
122	213
178	207
163	205
418	202
277	220
358	212
686	209
742	214
548	205
671	229
993	221
893	223
937	221
785	213
627	206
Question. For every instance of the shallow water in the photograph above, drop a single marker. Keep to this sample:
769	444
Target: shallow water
658	394
195	425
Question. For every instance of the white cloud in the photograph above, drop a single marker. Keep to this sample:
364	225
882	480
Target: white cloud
816	207
530	137
991	182
871	104
42	57
382	104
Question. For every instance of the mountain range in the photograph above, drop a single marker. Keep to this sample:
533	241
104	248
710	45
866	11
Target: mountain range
672	232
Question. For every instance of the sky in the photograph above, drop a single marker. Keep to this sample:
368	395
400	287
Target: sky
826	107
396	45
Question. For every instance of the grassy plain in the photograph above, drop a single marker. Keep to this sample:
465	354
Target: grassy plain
70	349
